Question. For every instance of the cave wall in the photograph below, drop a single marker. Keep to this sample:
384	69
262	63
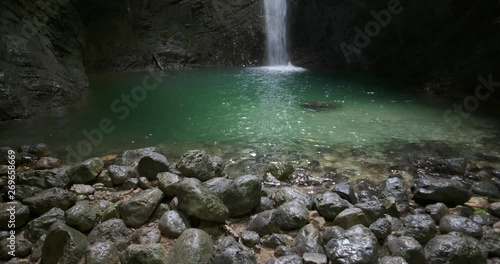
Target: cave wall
41	65
440	46
122	35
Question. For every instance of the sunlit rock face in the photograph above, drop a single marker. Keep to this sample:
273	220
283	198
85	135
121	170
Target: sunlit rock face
440	46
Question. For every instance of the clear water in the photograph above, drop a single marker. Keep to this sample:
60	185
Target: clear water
275	11
244	113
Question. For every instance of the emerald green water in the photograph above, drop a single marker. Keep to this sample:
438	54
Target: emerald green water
248	112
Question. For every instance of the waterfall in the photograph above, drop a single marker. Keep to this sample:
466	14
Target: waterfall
276	32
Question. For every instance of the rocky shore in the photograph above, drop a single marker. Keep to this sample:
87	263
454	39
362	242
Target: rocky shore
138	207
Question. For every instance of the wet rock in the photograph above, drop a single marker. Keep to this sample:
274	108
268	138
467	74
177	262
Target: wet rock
308	240
166	182
265	204
44	178
63	244
113	230
160	210
264	223
292	215
218	185
250	238
4	155
110	212
454	249
281	251
138	209
242	195
144	183
329	205
396	188
406	247
274	240
130	158
491	241
366	191
150	165
22	248
82	189
351	217
484	219
288	259
453	166
287	194
437	211
144	254
36	251
82	216
193	246
314	258
381	228
120	174
494	209
372	209
197	200
17	209
38	227
333	232
50	198
102	253
229	251
38	150
358	245
146	235
485	188
440	190
173	223
282	172
45	163
463	211
421	227
456	223
26	191
345	191
392	260
86	171
200	165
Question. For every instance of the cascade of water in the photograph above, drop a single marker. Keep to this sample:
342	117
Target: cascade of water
276	32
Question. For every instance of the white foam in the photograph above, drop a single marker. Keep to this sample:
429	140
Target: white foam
281	68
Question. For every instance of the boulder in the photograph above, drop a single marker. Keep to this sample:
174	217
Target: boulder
130	158
114	231
288	194
454	249
314	258
150	165
373	209
86	171
395	187
437	211
120	174
138	209
329	205
357	246
351	217
23	248
264	222
40	226
292	215
198	164
63	244
486	188
242	195
250	238
51	198
146	235
460	224
494	209
381	228
102	253
144	254
229	251
83	216
19	210
197	200
491	241
308	240
421	227
406	247
193	246
440	190
345	191
173	223
166	182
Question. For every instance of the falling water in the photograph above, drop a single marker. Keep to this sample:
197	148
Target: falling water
276	32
